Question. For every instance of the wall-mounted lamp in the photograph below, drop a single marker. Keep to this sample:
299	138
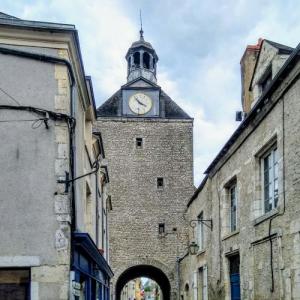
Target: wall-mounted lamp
193	248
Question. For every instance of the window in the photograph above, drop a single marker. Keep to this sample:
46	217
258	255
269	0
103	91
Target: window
161	228
160	182
200	231
202	283
233	207
229	223
266	79
269	170
139	143
14	284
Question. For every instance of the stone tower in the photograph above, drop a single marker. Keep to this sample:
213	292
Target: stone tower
148	141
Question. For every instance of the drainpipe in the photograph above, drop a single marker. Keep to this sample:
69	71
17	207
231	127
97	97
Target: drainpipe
97	206
97	209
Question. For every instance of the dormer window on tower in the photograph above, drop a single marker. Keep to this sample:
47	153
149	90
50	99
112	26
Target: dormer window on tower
142	60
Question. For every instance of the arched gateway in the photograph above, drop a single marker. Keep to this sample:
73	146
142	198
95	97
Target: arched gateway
144	271
148	141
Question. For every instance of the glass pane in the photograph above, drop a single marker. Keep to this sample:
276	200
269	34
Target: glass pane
233	198
266	197
270	160
276	170
266	164
233	204
275	201
266	171
275	155
266	192
276	187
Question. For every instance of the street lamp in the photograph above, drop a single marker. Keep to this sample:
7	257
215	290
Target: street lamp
193	248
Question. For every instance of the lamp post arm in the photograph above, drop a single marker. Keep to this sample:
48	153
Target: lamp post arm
207	222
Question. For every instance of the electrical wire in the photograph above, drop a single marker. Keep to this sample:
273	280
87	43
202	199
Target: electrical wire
36	122
27	120
10	96
46	115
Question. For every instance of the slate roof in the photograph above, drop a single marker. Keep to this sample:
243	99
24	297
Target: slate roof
258	107
111	107
140	43
282	48
9	20
169	109
6	16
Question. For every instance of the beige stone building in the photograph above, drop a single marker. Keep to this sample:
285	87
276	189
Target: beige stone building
250	197
149	145
54	179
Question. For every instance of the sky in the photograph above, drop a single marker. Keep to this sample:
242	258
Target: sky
199	44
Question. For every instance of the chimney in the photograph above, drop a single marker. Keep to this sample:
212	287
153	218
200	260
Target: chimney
247	63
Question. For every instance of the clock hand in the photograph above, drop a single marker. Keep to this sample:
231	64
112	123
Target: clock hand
140	102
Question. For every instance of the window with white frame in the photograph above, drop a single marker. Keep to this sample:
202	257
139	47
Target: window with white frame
202	283
200	232
269	172
232	191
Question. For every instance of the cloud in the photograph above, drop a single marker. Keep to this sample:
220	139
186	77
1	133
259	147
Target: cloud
105	35
199	44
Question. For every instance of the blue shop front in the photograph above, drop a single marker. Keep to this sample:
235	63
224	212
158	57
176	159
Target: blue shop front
91	272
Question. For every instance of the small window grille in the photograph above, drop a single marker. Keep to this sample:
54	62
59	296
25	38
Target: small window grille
139	143
161	228
160	182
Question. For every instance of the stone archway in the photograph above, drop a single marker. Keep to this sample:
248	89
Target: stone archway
144	271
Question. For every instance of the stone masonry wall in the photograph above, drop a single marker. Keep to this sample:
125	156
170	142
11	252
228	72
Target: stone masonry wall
138	205
280	126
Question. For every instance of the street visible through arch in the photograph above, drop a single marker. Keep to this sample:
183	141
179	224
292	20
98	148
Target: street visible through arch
144	271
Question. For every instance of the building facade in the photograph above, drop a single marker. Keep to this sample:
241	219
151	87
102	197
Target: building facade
246	210
54	179
148	140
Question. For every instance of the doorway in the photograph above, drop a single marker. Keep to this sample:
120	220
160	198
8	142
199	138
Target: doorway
234	272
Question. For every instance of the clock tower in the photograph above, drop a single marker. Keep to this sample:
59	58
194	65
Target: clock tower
141	93
148	141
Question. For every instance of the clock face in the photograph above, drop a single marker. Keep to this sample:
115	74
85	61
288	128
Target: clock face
140	103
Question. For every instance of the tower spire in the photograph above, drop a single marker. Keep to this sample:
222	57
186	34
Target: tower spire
141	31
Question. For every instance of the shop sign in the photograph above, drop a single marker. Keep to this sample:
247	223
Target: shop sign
76	287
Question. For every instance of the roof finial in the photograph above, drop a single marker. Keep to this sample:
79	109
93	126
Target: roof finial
141	31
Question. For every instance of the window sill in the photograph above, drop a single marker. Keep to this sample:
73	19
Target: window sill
200	252
266	216
230	234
